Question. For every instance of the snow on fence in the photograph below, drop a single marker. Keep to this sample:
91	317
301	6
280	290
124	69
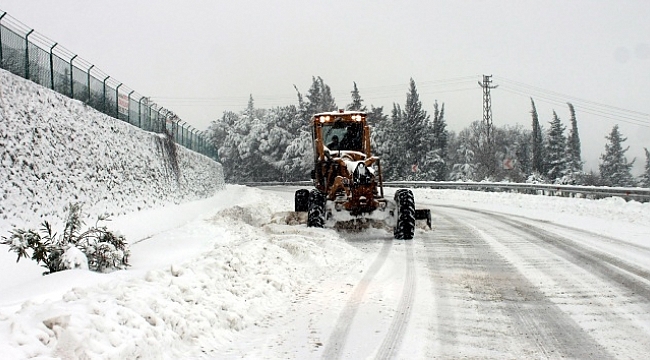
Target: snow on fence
28	54
589	192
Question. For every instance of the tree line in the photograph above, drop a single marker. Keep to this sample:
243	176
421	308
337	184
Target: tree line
275	144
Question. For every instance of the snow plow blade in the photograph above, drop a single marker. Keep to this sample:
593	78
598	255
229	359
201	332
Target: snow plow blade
423	214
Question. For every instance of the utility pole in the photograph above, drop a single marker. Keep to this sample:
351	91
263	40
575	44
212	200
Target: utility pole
487	105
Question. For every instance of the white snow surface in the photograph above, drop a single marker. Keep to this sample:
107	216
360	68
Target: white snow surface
55	150
235	264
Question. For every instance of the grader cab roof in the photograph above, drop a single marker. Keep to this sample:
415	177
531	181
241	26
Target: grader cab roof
342	130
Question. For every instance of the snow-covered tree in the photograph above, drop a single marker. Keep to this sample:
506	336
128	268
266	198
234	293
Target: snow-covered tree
411	130
574	157
614	168
556	160
538	142
462	157
392	148
436	159
357	102
645	178
319	97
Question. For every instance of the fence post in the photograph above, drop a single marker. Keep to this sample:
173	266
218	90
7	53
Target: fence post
158	121
1	16
72	78
89	93
140	112
163	122
27	54
105	109
151	117
52	66
128	109
117	101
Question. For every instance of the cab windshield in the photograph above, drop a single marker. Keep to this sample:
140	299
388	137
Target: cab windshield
343	136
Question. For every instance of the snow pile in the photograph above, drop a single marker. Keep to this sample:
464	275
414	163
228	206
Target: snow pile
55	150
245	272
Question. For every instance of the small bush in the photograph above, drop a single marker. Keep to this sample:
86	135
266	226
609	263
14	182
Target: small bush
103	250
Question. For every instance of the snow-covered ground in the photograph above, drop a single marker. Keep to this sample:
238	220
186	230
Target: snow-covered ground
217	278
55	150
192	286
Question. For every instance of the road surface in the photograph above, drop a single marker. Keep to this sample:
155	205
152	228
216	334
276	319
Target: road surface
478	285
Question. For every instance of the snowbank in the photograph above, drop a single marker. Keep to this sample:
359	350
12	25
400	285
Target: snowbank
55	150
189	290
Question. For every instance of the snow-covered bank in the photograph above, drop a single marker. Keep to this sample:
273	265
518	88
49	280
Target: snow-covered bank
54	150
190	288
596	215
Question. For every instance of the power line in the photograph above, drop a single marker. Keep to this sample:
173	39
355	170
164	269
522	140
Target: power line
584	109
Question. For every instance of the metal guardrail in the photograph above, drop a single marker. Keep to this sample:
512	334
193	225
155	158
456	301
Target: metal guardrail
590	192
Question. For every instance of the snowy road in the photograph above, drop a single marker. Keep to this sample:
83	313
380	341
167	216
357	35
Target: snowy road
500	275
479	285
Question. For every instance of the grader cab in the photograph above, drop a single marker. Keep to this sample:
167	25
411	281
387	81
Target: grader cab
348	180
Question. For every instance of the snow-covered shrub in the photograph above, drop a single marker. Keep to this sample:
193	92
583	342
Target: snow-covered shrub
97	248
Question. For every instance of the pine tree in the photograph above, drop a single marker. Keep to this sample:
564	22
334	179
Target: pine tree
319	97
412	132
614	168
538	147
555	150
356	104
394	148
645	178
573	144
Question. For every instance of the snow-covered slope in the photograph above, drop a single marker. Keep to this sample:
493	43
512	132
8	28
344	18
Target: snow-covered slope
55	150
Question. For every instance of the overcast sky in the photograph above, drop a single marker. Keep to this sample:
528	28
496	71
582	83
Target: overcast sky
199	58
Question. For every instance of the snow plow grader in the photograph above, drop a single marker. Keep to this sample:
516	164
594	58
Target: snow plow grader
348	181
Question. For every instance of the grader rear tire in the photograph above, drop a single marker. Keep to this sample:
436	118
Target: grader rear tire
405	227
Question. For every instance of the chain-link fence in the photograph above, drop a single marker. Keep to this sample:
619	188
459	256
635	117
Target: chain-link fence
33	56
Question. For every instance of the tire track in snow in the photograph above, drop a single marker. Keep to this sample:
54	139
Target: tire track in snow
499	286
609	267
337	339
397	327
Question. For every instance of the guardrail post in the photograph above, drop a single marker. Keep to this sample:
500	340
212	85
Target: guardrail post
89	93
27	54
52	65
72	77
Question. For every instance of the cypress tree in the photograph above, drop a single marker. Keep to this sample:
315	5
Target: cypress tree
614	168
538	147
573	144
439	145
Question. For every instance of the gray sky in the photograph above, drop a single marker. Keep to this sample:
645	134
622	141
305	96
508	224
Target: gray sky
199	57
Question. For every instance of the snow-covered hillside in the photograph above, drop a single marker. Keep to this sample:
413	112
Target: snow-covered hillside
54	150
